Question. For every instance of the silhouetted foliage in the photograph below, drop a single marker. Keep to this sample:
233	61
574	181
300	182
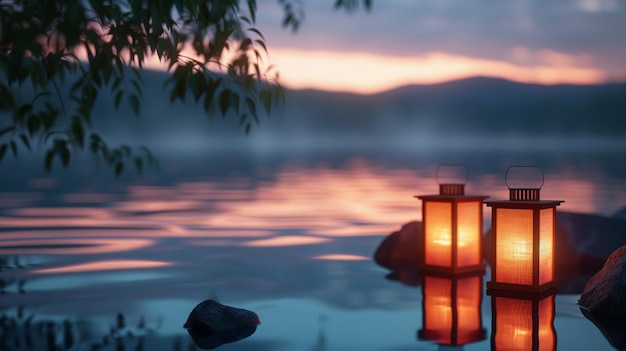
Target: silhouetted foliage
56	57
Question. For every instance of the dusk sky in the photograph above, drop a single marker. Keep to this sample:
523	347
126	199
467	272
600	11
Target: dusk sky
429	41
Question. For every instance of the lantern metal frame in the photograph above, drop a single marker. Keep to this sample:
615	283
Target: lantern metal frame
523	199
451	179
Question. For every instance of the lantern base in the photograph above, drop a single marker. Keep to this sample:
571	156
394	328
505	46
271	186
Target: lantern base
452	339
522	291
453	271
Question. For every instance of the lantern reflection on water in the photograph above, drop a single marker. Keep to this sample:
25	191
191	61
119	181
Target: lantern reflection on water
524	324
523	238
452	227
452	309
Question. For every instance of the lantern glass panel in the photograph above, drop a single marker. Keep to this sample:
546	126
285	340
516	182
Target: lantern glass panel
514	246
438	233
468	230
546	271
468	306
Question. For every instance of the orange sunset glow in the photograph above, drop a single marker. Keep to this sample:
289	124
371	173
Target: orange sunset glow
369	73
104	266
366	73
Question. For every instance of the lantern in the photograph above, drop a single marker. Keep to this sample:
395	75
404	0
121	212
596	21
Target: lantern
452	309
452	226
523	324
523	236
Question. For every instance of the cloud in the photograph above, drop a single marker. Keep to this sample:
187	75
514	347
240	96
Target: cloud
597	5
582	34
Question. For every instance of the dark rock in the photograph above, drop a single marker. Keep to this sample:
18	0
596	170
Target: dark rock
603	300
212	324
591	238
410	277
401	250
621	214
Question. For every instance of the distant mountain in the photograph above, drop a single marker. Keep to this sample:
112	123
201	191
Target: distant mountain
461	111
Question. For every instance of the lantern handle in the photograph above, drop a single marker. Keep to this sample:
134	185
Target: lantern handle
508	170
451	170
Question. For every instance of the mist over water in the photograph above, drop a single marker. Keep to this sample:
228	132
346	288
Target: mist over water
475	114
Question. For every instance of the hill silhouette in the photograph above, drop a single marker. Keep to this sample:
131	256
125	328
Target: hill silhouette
479	109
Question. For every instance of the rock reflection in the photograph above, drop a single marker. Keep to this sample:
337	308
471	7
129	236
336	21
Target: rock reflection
211	324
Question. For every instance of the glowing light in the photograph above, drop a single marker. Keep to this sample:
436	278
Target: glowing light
520	250
341	257
104	266
452	226
288	240
77	246
444	238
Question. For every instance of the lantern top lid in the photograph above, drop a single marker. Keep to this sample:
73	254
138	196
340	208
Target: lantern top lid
451	179
453	174
524	183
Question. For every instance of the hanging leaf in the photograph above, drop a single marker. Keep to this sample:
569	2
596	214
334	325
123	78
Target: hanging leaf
138	164
33	124
13	148
252	108
245	44
66	89
242	119
224	101
119	167
48	159
134	103
266	100
118	99
20	114
61	148
94	143
78	131
6	130
25	141
3	150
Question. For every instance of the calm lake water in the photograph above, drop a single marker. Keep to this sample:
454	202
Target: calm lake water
90	262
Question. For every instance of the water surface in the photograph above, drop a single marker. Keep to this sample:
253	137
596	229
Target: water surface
289	236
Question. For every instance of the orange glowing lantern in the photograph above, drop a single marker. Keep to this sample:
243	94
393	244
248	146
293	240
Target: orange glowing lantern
452	226
523	324
451	309
523	236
